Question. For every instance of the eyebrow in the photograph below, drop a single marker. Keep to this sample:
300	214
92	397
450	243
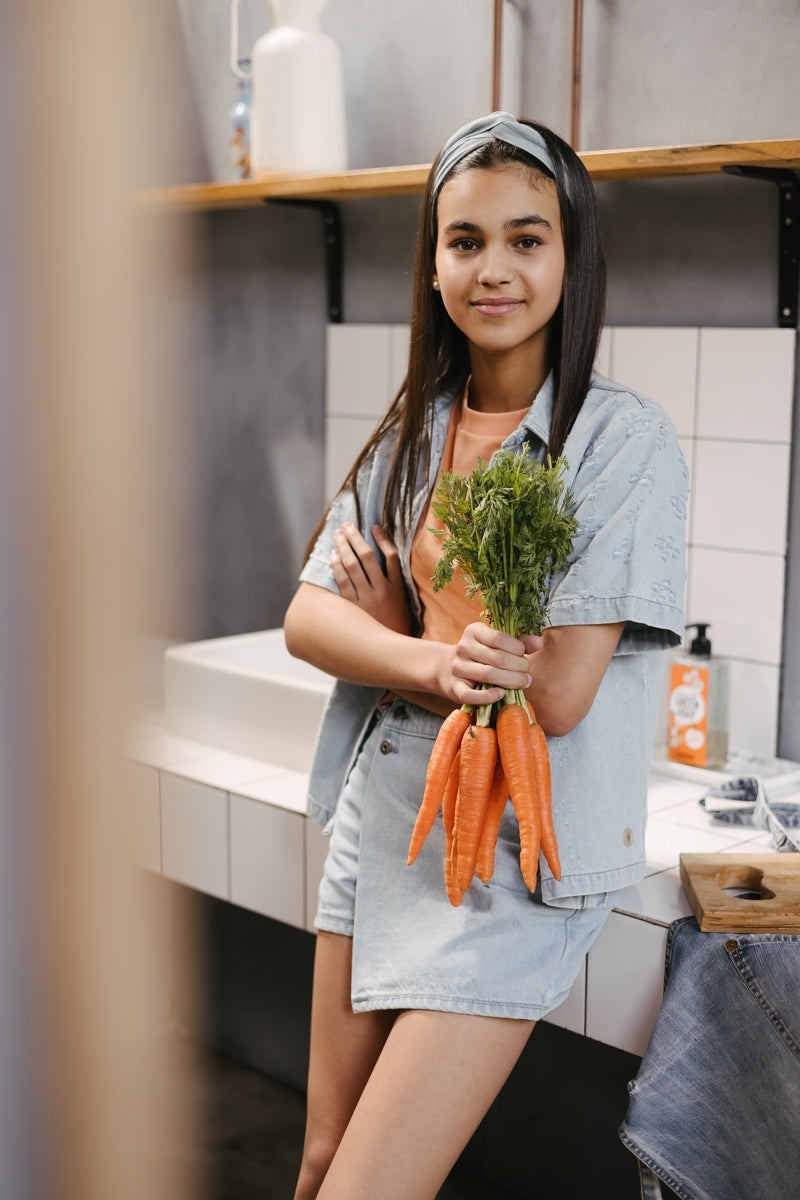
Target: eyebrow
515	223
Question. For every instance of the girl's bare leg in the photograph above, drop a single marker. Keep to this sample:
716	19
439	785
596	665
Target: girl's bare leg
344	1048
435	1078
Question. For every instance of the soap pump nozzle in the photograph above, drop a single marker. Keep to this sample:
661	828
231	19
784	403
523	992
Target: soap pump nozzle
700	645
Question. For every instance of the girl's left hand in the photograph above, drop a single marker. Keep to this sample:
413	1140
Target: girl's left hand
363	582
491	658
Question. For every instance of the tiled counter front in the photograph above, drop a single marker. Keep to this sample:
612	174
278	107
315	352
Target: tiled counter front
236	828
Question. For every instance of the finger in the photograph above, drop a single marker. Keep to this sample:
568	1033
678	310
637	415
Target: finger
464	694
495	640
389	551
343	581
355	544
532	642
350	560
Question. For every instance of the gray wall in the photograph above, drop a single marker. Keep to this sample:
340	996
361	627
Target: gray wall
680	252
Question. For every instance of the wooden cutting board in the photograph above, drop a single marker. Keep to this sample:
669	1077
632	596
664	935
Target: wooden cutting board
774	877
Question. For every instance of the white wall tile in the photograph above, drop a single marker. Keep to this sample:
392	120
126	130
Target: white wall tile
267	852
283	789
344	438
661	364
624	985
754	705
741	493
603	361
143	816
746	384
194	834
316	852
399	356
741	596
571	1013
358	369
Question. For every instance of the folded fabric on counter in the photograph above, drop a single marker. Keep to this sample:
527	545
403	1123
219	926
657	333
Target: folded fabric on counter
714	1110
745	800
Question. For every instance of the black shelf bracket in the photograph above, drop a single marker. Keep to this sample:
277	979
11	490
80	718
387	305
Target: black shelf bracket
332	232
788	184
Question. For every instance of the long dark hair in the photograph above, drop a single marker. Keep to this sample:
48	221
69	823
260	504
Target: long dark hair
439	355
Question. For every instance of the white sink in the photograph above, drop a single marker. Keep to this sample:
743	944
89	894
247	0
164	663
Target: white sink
245	694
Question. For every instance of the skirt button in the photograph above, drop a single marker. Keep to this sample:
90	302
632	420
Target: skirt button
386	746
627	836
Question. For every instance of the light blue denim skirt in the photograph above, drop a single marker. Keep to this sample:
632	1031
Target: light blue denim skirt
502	953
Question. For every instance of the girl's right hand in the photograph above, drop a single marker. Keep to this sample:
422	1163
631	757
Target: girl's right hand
487	656
361	580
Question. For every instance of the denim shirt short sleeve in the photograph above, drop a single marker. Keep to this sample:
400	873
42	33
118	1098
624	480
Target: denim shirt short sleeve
629	483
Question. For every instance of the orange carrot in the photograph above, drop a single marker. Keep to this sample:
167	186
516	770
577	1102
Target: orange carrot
541	761
449	802
498	798
516	753
444	751
476	772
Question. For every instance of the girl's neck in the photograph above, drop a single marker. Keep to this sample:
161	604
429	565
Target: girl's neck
505	383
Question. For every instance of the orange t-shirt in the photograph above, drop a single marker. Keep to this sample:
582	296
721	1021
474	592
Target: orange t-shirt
471	435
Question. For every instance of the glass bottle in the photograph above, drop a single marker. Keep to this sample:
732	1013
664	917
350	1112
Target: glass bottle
239	126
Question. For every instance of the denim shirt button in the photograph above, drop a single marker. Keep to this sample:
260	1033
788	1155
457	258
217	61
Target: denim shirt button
386	746
627	836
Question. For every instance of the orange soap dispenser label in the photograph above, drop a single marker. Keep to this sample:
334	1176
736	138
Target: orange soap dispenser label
687	735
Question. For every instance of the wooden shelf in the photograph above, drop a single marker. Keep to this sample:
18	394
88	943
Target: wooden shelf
603	165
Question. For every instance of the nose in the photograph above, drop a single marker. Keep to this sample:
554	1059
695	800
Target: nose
495	267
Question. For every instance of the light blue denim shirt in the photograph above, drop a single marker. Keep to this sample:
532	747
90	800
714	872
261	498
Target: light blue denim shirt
629	482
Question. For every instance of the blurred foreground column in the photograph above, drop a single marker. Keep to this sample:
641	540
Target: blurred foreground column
88	416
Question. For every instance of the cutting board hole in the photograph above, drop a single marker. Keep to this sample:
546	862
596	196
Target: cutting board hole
743	883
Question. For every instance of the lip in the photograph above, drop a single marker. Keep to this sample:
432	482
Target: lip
499	306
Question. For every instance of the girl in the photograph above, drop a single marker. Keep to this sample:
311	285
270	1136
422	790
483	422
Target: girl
420	1009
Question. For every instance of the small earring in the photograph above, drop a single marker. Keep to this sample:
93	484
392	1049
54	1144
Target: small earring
436	285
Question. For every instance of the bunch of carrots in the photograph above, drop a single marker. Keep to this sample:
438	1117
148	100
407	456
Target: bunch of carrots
508	525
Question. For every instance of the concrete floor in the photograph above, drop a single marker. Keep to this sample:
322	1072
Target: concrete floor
246	1137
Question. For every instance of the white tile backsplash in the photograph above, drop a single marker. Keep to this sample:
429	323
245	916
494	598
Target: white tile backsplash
194	834
625	971
359	370
730	394
745	384
754	703
267	857
602	363
398	357
741	496
344	438
661	364
744	592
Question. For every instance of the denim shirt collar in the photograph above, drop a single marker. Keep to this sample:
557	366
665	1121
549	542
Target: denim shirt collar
537	420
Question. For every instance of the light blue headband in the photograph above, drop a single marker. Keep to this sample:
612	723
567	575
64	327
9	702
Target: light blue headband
499	125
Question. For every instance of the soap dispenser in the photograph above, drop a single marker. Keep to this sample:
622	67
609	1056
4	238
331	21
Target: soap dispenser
697	718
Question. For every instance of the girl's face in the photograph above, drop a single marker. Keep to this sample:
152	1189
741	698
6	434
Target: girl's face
500	257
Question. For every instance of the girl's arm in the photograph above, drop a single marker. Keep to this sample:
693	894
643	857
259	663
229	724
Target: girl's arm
567	666
561	672
347	642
